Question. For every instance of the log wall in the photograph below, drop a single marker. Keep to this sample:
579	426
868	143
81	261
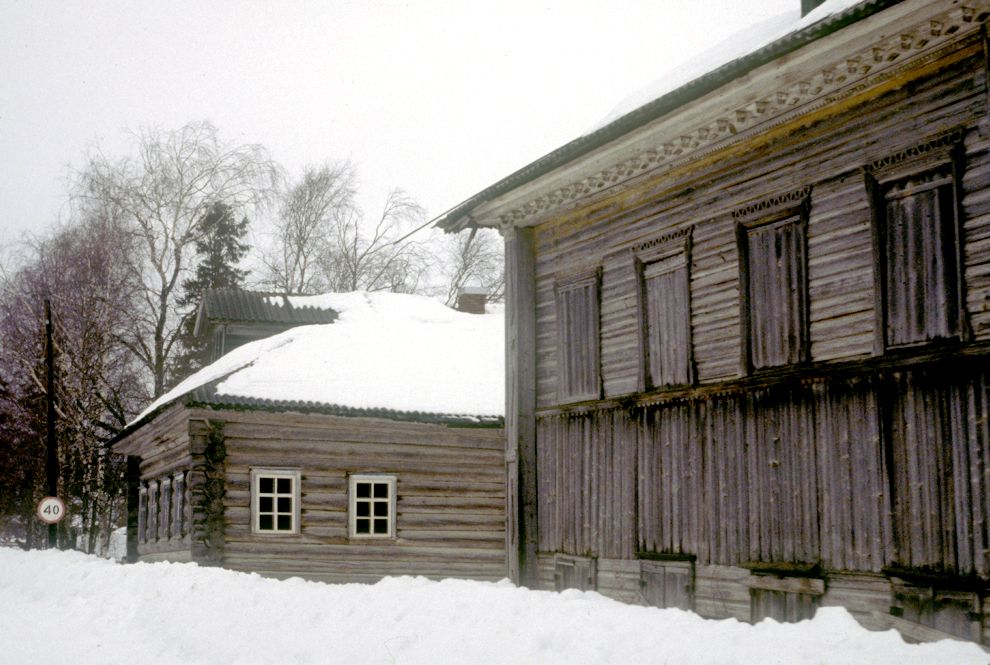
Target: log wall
450	517
163	520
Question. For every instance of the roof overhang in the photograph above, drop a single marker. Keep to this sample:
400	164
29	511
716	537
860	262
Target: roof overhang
800	76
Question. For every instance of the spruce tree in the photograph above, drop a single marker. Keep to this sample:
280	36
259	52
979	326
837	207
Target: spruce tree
219	249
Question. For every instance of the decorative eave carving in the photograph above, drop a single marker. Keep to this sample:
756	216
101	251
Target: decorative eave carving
838	79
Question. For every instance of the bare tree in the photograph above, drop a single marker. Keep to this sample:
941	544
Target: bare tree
162	194
471	258
379	258
323	243
309	212
82	269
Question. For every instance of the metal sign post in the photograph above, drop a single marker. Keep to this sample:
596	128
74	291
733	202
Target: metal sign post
51	460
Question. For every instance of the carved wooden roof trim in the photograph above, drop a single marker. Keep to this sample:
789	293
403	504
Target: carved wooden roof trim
843	77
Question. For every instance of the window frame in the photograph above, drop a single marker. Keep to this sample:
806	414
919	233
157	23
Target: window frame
793	207
295	475
352	501
942	154
566	392
667	247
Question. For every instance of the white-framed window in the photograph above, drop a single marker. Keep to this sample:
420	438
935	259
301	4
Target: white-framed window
371	506
275	501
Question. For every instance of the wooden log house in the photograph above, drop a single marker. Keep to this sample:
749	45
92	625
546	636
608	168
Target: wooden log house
748	328
228	318
332	452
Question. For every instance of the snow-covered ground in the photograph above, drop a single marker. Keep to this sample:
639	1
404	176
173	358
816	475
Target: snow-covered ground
68	608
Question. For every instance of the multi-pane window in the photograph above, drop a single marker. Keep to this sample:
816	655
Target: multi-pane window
916	228
579	372
275	501
665	311
774	285
372	506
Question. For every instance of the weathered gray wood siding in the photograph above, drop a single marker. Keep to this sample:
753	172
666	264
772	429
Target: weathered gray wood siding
585	471
450	509
839	455
828	156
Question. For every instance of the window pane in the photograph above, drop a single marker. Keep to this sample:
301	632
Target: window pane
363	490
265	523
285	486
265	504
381	509
285	522
363	509
381	526
266	485
362	525
285	504
381	490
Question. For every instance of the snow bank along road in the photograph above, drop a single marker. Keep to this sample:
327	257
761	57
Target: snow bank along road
71	609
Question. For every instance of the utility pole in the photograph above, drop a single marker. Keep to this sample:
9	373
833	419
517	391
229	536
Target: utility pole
51	461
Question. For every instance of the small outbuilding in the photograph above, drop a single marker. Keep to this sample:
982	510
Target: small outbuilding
344	452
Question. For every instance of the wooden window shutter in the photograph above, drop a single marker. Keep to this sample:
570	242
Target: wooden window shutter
776	293
578	355
665	304
917	244
773	281
920	274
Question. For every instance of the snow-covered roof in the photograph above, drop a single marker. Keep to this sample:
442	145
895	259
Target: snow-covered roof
672	89
254	307
390	354
732	48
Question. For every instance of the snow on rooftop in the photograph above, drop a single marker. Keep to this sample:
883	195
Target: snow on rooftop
753	38
386	351
66	607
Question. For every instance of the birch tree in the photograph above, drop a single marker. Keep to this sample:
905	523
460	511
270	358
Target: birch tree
323	242
162	193
83	270
378	257
472	258
309	212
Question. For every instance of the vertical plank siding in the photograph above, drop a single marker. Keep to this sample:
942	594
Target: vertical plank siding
938	447
799	474
670	490
852	477
586	470
824	450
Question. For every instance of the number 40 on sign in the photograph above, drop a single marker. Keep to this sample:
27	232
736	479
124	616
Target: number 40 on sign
51	510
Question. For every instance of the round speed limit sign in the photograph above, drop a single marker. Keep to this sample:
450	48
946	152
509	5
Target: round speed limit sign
51	510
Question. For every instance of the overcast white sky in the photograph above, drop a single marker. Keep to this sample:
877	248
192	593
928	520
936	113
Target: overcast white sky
441	97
